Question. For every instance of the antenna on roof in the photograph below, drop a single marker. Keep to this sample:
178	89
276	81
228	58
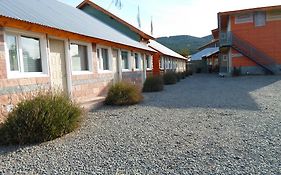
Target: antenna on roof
151	27
138	17
117	3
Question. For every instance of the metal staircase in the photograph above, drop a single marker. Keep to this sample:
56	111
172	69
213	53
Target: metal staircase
247	49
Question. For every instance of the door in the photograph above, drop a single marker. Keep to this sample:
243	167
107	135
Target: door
116	66
58	65
224	64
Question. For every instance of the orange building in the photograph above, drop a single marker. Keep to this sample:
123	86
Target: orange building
250	41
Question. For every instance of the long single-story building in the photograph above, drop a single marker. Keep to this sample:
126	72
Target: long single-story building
205	61
166	59
48	44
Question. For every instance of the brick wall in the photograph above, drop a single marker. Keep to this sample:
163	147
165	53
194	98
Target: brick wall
266	38
134	77
88	87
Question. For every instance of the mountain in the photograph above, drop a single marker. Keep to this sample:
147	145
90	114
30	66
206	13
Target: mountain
180	43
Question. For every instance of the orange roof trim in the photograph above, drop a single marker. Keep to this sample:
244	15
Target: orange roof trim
141	33
250	10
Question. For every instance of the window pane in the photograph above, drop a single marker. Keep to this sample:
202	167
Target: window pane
137	63
79	57
31	54
260	19
13	53
148	62
125	61
244	18
105	59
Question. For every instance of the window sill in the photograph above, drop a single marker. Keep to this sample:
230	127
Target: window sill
126	70
105	71
26	75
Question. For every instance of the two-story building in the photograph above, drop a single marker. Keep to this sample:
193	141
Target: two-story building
250	40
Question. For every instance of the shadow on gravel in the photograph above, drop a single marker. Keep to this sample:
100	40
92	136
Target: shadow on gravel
12	148
211	91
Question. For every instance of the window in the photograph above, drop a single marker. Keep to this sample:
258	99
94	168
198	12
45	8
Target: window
170	64
244	18
31	54
148	62
103	59
137	61
224	57
13	53
125	60
162	63
166	63
274	15
79	57
260	19
24	54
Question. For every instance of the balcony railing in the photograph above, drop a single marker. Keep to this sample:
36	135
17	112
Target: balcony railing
261	58
225	39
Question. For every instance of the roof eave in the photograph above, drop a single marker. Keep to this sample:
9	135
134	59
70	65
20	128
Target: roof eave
167	54
98	40
249	10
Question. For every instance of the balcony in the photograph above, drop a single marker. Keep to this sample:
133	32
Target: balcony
225	39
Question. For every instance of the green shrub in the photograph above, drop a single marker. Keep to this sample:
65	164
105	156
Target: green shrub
123	93
170	78
178	76
183	75
153	84
189	73
42	118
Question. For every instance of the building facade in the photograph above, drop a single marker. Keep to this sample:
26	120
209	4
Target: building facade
62	53
250	40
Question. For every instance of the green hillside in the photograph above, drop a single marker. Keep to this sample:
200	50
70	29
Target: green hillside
181	43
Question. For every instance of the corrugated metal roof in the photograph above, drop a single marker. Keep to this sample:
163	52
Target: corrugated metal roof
164	50
204	53
58	15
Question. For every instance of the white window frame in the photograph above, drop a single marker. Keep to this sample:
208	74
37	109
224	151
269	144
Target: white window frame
162	62
129	61
272	16
148	67
100	62
258	17
139	61
89	54
250	19
43	54
166	63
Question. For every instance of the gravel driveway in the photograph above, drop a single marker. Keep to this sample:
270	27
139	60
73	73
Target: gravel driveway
202	125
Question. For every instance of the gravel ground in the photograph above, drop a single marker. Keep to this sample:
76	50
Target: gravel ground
202	125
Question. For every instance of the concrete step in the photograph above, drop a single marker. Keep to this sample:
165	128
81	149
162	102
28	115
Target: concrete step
92	104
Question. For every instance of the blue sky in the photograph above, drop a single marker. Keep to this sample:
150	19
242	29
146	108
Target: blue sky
176	17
